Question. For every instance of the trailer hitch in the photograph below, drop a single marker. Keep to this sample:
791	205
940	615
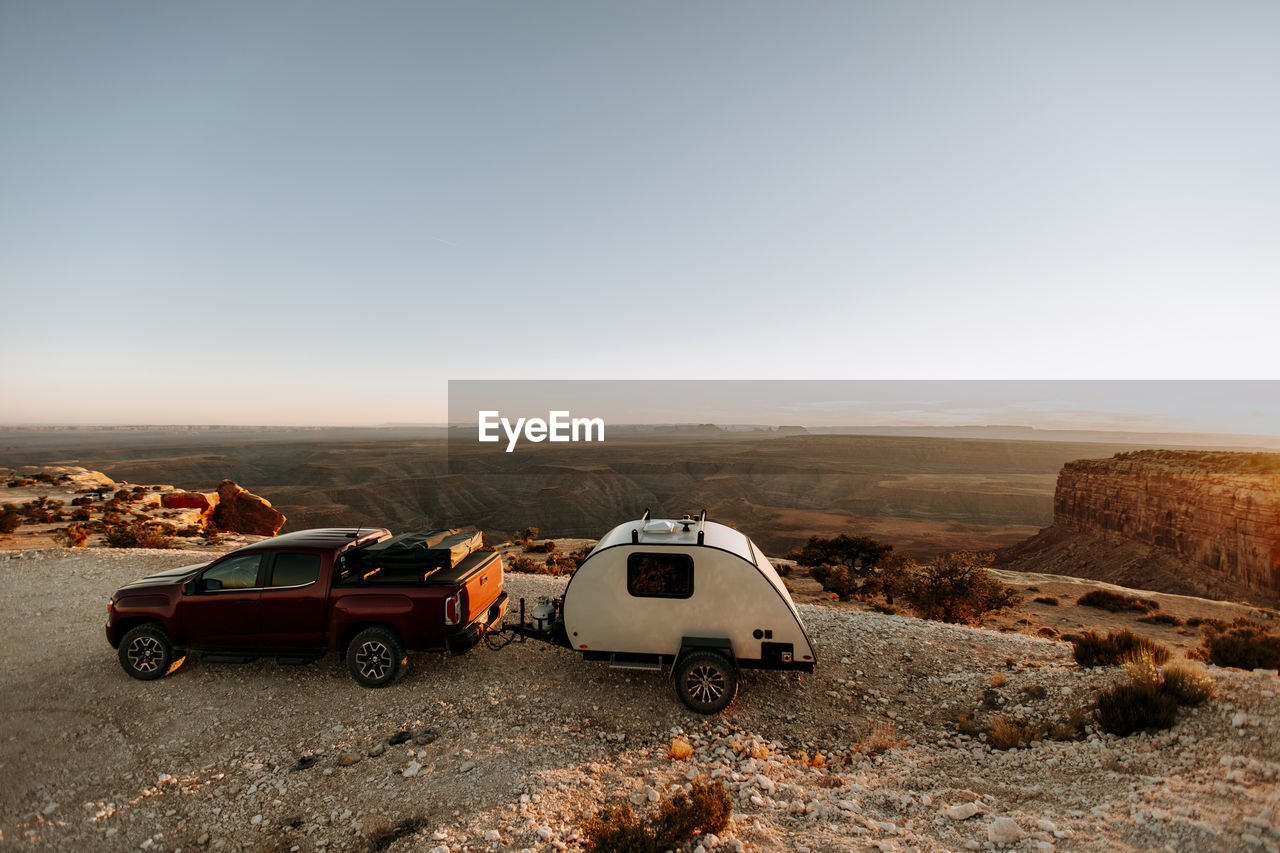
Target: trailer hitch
547	625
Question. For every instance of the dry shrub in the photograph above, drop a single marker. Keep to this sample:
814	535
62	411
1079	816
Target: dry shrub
1187	681
1135	706
1115	602
381	837
137	535
1072	728
1245	644
966	724
881	737
544	547
10	518
1160	619
677	819
956	588
1046	599
998	680
1092	649
1005	733
73	536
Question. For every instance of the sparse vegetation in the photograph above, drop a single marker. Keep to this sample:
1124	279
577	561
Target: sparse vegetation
881	737
1115	648
138	535
10	518
853	566
1007	733
1046	599
73	536
1187	681
546	546
1115	602
1243	644
956	588
1151	697
1160	619
706	807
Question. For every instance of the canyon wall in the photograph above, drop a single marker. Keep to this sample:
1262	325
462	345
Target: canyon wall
1217	511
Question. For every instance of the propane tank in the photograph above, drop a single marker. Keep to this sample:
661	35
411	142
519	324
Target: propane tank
544	613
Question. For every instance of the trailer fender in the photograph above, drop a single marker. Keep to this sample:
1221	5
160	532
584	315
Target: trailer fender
698	644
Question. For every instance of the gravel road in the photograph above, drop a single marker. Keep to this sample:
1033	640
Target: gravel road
508	749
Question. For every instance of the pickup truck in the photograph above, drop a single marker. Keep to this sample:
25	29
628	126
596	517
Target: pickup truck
297	596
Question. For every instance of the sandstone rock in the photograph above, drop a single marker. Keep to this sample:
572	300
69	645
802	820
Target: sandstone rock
963	811
1002	830
240	511
377	749
349	758
203	501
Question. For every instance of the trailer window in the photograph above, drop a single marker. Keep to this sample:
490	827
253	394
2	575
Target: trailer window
660	575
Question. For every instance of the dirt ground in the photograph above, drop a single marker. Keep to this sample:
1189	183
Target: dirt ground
509	749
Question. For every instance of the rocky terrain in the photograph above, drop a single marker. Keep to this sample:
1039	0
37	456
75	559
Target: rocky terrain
925	495
510	749
1200	523
229	514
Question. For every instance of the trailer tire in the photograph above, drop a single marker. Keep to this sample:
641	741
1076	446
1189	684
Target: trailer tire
375	657
706	681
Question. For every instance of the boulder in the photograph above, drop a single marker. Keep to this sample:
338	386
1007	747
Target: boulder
203	501
240	511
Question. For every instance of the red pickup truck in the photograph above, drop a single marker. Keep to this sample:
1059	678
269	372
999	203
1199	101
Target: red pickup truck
295	597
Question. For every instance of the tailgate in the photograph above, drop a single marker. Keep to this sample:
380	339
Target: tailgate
481	583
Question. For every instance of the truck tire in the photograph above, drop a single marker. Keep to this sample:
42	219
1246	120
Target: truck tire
146	653
375	657
706	681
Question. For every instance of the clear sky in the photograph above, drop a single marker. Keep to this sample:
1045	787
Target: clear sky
315	212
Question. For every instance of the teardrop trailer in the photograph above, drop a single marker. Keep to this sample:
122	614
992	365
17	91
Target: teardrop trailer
689	594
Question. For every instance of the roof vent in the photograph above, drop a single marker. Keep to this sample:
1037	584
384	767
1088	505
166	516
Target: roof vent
659	526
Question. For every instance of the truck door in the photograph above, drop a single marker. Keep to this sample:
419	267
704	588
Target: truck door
222	613
293	607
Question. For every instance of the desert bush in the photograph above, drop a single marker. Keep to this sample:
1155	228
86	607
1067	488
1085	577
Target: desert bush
10	518
1092	649
524	537
886	609
679	818
1135	706
956	588
965	723
41	510
73	536
1006	733
81	514
881	737
1072	728
1243	644
544	547
138	535
1115	602
852	566
1046	599
1160	619
1187	681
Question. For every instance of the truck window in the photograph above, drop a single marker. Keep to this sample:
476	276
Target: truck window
295	569
660	575
236	572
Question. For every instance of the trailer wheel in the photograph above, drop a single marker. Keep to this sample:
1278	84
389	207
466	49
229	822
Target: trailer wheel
374	657
706	681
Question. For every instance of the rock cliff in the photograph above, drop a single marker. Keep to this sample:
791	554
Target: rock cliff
1204	522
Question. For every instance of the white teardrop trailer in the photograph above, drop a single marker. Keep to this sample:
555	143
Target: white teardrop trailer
690	594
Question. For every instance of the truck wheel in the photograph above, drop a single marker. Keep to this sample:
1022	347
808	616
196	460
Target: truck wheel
706	682
146	653
374	657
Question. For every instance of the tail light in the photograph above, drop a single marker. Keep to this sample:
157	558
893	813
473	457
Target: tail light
453	609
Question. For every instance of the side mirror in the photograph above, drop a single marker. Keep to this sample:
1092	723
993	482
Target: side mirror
189	588
212	584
